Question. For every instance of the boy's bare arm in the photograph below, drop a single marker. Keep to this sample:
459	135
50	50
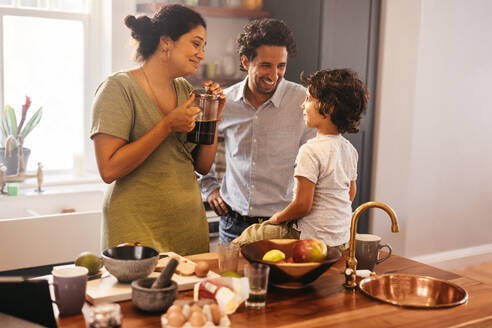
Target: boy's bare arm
300	206
353	190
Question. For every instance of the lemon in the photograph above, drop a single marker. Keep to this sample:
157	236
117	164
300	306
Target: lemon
231	274
91	261
274	255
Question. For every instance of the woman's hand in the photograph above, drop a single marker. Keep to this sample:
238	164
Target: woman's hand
182	118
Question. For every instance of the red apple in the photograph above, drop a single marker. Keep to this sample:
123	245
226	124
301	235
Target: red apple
309	250
290	260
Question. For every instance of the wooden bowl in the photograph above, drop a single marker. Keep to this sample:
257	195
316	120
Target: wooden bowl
289	275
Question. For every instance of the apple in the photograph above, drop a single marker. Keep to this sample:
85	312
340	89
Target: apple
309	250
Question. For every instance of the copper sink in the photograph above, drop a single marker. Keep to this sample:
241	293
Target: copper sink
413	291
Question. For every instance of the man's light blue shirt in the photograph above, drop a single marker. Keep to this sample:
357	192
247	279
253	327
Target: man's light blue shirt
261	146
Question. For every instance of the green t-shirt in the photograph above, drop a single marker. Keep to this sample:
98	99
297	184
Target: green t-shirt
159	203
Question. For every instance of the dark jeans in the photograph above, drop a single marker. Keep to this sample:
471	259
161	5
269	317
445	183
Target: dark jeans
233	224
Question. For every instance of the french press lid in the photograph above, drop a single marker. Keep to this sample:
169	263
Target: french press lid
205	94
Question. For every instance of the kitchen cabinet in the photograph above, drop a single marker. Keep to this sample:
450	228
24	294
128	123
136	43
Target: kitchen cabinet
326	303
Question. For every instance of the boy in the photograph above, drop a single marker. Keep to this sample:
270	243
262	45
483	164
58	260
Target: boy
326	166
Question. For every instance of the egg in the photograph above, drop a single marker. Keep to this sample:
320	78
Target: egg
201	269
174	308
216	314
195	308
176	319
197	319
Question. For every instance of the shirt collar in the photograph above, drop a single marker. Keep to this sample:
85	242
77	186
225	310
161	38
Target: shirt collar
275	99
240	90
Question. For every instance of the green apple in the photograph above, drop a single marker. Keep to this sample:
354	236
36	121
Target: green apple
91	261
309	250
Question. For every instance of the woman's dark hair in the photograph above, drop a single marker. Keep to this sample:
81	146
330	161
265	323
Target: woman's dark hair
342	90
265	31
171	20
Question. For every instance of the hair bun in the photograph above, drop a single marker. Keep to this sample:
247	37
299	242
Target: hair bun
130	21
141	26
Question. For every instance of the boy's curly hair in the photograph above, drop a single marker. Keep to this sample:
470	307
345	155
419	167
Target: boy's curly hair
265	31
342	90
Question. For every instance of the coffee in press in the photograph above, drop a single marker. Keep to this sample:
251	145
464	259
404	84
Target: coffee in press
206	120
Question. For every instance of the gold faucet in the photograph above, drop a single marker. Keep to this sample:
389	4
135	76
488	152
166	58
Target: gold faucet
351	262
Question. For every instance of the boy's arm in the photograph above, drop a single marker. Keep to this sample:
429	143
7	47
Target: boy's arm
353	190
300	206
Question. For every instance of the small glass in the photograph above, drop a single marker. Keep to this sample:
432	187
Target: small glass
107	315
257	274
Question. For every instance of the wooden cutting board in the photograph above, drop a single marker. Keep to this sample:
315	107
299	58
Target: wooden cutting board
108	289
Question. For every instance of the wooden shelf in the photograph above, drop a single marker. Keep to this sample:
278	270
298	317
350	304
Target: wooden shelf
150	8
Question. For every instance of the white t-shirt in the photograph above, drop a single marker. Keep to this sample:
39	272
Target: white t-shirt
330	162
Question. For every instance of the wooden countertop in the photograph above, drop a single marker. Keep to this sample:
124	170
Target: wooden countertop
327	303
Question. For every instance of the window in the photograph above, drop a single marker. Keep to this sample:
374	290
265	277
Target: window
43	54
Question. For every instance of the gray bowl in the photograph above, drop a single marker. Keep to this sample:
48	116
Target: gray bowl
128	263
153	300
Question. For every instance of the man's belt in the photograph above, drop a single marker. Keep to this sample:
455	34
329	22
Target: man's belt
246	219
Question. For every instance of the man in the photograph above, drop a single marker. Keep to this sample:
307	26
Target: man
263	128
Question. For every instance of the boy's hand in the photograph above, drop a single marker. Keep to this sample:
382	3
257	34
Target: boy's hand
274	219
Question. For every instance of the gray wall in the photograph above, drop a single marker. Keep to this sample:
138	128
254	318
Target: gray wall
338	34
304	18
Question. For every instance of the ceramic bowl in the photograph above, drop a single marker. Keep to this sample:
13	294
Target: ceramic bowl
128	263
153	300
289	275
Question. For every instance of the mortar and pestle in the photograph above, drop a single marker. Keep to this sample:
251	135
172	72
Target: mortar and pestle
156	294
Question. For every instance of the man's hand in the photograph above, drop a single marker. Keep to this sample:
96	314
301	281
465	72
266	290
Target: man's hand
274	219
217	203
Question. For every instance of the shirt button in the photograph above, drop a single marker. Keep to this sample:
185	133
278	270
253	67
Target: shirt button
254	140
252	186
256	117
254	163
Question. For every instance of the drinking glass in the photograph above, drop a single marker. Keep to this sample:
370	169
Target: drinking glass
257	274
228	257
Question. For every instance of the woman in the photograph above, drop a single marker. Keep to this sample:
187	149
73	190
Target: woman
139	123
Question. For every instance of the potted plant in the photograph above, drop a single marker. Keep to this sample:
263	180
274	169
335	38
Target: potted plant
13	135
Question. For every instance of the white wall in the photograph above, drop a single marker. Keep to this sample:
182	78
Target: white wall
433	152
221	35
